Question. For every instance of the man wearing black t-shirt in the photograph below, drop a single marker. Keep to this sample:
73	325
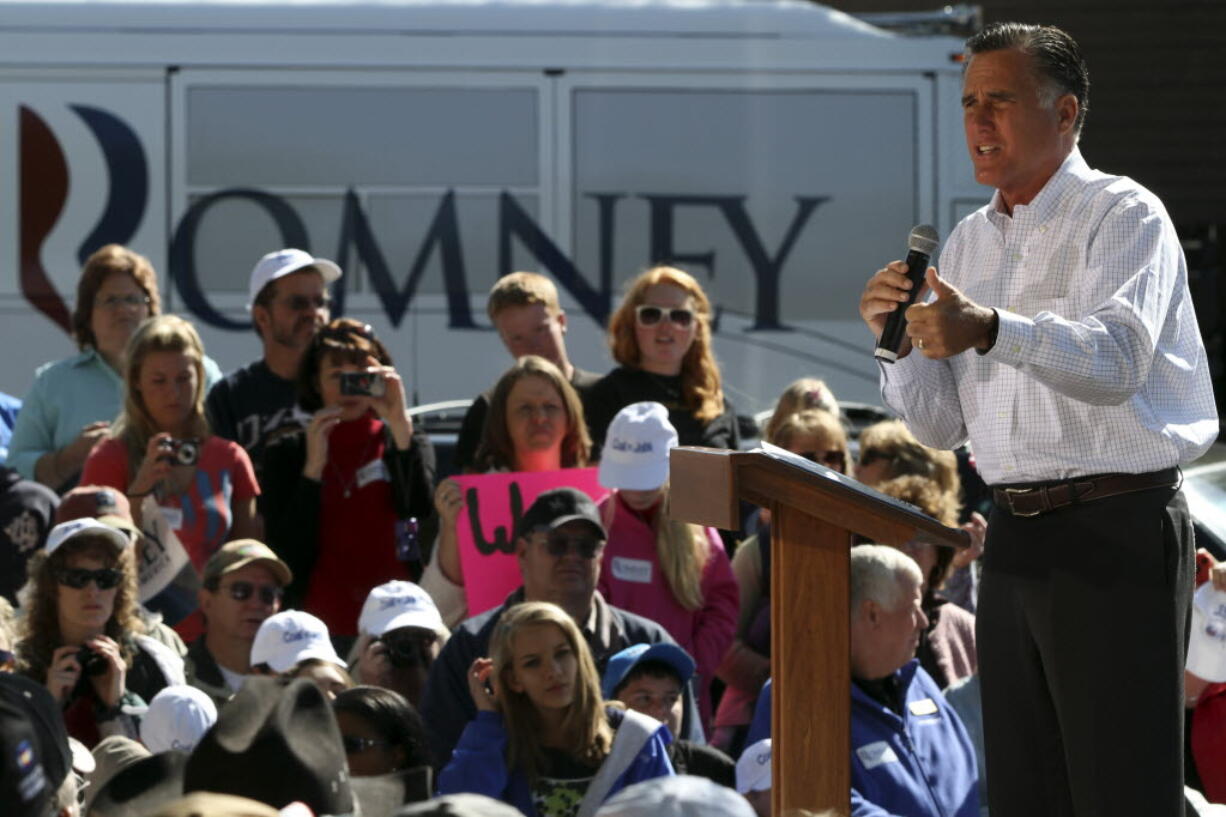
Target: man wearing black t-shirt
523	307
289	303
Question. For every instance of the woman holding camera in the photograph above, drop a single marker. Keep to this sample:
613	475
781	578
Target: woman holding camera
343	496
81	635
74	400
160	447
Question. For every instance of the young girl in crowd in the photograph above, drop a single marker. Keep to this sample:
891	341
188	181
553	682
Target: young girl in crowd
535	423
672	572
339	496
161	447
543	740
661	338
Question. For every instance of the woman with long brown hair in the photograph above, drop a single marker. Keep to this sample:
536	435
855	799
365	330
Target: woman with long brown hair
535	423
661	338
543	740
81	635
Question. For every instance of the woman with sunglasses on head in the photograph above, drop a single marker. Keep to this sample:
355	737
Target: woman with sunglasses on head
543	740
81	635
671	572
160	452
536	423
342	495
73	401
661	338
381	731
816	435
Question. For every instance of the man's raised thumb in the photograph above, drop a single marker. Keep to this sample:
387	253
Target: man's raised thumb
937	284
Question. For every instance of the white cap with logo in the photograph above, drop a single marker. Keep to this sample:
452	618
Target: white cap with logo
397	604
64	531
283	262
288	638
635	455
753	769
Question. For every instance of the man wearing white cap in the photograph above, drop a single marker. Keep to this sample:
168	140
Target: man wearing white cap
296	644
289	303
753	776
400	633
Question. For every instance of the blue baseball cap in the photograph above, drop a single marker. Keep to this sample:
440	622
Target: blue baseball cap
622	663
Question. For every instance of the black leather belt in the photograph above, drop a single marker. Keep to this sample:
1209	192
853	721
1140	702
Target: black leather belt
1043	497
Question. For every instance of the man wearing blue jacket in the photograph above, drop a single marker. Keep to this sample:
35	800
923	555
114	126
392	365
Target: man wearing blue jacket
910	754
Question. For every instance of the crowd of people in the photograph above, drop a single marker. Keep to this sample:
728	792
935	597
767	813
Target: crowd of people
233	595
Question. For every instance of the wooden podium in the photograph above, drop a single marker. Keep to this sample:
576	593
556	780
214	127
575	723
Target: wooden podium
814	512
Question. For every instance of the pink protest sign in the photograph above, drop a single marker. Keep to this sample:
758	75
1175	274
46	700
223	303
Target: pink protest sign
485	530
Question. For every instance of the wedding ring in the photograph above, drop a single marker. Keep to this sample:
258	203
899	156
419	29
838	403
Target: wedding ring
919	343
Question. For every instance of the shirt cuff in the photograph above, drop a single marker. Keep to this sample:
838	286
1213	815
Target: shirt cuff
1014	336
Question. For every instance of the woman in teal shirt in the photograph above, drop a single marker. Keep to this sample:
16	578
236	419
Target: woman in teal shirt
72	402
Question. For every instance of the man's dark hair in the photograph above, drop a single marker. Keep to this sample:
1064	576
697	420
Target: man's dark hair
650	669
1055	55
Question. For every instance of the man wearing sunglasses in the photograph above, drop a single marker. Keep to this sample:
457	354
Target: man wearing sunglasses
242	585
558	543
289	303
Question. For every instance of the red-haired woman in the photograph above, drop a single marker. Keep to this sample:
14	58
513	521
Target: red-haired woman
661	337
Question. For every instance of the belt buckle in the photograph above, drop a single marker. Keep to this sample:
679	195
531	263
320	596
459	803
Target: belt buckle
1009	492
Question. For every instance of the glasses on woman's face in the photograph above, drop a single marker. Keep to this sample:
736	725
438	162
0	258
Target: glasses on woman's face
355	745
114	302
241	591
649	315
833	459
77	577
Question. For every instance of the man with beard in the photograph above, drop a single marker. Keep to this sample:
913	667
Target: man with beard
289	303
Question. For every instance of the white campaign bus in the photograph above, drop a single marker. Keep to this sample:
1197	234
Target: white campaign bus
780	151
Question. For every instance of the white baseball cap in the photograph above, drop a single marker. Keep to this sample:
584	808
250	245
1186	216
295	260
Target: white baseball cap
398	604
283	262
635	455
65	531
177	718
288	638
677	796
753	769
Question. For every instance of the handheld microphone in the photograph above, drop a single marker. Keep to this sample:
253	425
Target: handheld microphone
921	244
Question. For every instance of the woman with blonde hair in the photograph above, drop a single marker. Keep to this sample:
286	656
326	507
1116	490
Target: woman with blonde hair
800	395
535	423
671	572
816	435
161	447
661	338
543	740
72	401
81	635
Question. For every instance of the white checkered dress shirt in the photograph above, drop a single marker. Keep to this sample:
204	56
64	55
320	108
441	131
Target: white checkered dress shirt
1098	366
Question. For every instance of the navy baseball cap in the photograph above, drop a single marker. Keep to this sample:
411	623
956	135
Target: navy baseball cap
622	663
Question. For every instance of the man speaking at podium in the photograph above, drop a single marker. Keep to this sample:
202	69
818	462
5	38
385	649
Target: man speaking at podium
1059	337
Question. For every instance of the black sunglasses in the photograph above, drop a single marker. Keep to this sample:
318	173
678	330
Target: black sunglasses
241	591
301	303
830	459
77	577
355	745
409	650
559	544
651	315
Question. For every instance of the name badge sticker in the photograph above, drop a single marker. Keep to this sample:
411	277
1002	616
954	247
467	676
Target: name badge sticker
924	706
173	517
632	570
873	755
372	471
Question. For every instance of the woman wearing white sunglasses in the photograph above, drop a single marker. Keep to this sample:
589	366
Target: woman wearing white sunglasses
661	338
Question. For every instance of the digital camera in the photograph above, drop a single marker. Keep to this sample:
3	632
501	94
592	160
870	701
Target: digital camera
91	662
363	384
183	452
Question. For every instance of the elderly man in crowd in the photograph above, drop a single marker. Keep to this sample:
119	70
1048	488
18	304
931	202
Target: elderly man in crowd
289	303
910	753
558	544
242	585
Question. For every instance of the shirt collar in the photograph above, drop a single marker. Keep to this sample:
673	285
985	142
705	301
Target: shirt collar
1047	202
